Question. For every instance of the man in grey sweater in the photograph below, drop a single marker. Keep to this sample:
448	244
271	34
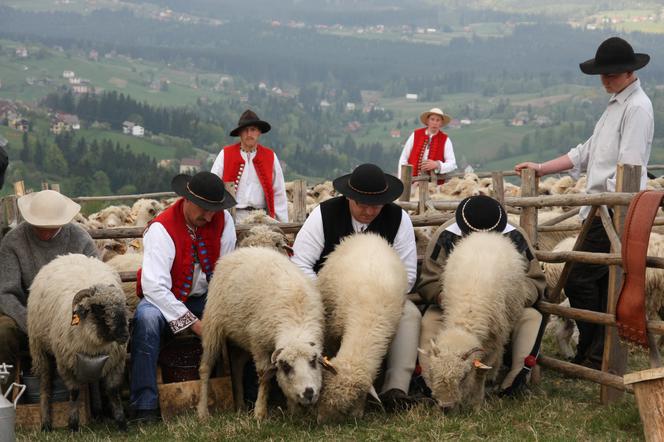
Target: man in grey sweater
46	233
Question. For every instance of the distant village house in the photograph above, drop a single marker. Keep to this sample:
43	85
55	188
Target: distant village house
411	97
129	128
62	122
190	165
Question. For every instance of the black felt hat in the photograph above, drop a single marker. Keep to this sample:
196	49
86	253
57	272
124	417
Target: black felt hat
480	214
368	184
249	118
204	189
614	56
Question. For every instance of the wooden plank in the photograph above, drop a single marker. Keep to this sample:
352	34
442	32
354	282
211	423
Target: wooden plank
649	391
581	372
179	397
607	222
29	415
654	327
423	196
83	199
497	181
299	201
644	375
407	179
528	220
614	360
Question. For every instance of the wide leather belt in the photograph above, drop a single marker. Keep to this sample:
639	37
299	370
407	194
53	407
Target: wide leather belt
630	309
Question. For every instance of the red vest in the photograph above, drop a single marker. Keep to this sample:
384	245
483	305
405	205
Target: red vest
436	149
264	165
207	247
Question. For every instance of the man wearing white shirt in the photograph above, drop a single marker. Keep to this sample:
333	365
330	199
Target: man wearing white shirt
253	170
181	248
623	134
429	149
367	205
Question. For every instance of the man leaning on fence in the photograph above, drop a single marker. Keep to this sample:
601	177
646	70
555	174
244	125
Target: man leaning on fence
624	135
181	246
46	233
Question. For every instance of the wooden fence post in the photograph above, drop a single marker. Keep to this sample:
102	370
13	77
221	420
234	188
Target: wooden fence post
498	187
423	196
407	179
528	220
628	179
230	188
299	201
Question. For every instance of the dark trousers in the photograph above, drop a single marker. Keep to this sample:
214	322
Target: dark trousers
587	288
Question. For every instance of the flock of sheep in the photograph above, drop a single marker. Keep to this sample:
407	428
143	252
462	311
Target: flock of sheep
288	323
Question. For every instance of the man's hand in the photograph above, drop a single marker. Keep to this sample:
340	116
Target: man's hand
429	165
529	165
197	327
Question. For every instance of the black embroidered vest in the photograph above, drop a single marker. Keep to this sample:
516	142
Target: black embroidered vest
337	224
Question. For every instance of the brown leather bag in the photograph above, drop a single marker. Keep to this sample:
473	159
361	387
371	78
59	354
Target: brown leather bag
631	306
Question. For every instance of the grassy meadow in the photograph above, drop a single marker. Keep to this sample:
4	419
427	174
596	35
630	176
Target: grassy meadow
558	409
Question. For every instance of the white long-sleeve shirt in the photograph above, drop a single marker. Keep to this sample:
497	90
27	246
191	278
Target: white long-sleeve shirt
310	242
623	134
156	283
443	167
250	192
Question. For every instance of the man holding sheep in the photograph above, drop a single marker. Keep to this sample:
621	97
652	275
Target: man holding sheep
623	134
46	233
367	206
181	246
483	214
253	170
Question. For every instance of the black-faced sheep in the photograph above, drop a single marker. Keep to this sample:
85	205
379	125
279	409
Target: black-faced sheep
263	303
76	313
363	283
484	295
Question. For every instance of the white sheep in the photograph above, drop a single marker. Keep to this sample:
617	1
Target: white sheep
266	236
112	216
258	216
76	312
263	303
363	283
144	210
129	262
480	309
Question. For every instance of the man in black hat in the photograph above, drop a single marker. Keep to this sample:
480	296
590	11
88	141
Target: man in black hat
483	214
367	206
623	134
181	248
253	170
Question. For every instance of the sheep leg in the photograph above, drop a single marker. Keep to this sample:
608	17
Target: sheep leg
112	385
43	366
204	374
260	408
74	420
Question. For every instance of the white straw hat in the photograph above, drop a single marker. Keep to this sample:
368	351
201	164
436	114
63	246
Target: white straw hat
48	209
435	111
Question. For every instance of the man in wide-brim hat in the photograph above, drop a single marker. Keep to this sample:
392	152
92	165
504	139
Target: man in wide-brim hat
483	214
623	134
429	149
46	233
181	247
253	170
366	205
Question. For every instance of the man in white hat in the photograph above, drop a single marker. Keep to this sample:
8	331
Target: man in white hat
429	149
46	233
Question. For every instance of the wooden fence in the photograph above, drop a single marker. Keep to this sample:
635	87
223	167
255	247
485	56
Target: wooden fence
627	183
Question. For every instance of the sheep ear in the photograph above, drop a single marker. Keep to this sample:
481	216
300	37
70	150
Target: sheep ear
275	355
81	295
326	364
480	366
288	249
